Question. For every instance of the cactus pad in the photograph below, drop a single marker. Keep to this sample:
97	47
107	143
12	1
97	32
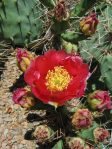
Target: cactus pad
20	21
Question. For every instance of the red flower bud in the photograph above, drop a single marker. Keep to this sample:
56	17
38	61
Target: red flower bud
88	24
42	133
100	100
23	97
60	11
24	58
100	134
82	119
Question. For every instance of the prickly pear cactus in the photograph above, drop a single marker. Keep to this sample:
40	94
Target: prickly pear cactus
20	21
71	79
101	42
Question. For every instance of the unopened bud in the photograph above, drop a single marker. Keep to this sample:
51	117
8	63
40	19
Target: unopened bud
23	97
42	133
69	47
89	24
75	143
24	58
82	119
100	134
60	11
99	100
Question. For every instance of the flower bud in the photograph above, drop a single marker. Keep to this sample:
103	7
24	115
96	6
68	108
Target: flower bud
100	134
42	133
73	104
24	59
89	24
60	11
69	47
75	143
82	119
99	100
23	97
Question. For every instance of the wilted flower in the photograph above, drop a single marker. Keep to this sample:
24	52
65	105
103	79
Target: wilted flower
88	24
42	133
24	58
82	118
100	134
76	143
23	97
61	11
99	100
56	77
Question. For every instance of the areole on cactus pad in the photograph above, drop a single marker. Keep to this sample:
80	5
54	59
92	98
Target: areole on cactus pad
56	77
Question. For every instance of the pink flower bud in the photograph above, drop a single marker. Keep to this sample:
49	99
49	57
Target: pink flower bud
24	58
100	134
75	143
100	100
82	119
89	24
23	97
42	133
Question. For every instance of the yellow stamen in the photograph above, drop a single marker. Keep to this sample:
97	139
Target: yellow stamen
58	79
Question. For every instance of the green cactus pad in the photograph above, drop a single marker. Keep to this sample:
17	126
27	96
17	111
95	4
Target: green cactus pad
88	133
20	21
106	70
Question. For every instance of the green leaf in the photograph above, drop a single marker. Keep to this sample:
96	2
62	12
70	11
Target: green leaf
88	133
58	145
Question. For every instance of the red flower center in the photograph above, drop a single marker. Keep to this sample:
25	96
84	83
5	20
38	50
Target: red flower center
58	79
